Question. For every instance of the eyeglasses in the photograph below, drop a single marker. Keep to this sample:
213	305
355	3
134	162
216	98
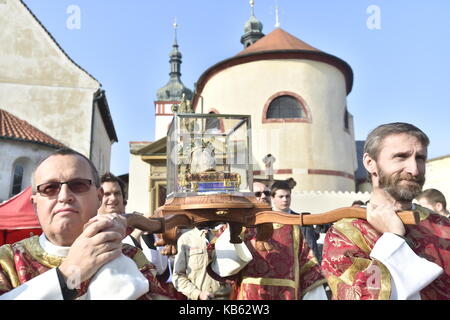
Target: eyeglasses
51	189
259	193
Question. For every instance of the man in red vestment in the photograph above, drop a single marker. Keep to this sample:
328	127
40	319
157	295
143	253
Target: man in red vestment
79	254
381	258
114	201
290	270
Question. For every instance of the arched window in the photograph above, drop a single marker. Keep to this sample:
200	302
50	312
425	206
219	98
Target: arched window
212	123
17	179
284	107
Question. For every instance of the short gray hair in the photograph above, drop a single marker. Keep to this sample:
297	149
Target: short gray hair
375	138
66	152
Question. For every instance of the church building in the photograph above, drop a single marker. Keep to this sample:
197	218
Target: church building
46	101
296	96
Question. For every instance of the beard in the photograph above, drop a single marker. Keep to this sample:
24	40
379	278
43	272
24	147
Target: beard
392	185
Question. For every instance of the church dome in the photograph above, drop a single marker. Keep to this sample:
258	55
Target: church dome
252	29
253	25
173	91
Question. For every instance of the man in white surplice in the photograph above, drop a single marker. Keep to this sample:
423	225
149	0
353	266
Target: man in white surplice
80	254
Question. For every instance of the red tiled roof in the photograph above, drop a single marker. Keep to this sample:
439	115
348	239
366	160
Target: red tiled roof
14	128
278	44
278	39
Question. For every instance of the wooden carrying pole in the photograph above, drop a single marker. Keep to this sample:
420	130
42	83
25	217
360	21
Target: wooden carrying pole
160	225
407	217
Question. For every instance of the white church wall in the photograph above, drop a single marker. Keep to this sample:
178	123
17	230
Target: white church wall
323	144
29	154
138	185
319	202
40	84
438	176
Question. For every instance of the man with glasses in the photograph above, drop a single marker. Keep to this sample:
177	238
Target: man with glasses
79	255
262	192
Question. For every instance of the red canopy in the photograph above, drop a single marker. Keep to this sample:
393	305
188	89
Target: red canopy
17	212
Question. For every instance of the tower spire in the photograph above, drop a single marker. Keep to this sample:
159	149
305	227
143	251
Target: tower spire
175	55
174	92
252	28
174	89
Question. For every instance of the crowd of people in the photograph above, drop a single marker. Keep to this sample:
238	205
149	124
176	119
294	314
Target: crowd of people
86	250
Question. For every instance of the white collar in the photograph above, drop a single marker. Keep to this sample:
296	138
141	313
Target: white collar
278	210
51	248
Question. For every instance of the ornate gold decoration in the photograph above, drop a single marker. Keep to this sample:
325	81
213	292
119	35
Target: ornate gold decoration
221	212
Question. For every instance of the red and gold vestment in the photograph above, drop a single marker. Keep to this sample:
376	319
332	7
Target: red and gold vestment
286	273
26	259
353	275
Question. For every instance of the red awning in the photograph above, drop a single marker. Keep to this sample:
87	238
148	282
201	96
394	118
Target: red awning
17	212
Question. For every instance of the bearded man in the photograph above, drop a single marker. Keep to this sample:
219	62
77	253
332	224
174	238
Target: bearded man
380	258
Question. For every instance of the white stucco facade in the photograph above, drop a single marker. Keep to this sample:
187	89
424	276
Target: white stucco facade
138	185
438	176
40	84
321	144
162	123
25	153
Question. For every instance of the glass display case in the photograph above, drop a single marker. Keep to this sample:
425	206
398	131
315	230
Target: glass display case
209	154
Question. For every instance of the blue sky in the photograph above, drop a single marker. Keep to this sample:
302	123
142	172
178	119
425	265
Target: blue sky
401	71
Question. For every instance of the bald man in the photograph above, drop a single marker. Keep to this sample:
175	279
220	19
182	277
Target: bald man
79	254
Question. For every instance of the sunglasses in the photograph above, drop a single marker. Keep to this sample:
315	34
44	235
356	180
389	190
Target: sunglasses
51	189
259	193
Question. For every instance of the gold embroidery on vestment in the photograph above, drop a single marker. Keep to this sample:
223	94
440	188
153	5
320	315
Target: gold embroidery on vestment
346	227
34	248
7	264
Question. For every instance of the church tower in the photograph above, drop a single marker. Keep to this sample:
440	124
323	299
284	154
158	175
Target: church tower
252	29
172	93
